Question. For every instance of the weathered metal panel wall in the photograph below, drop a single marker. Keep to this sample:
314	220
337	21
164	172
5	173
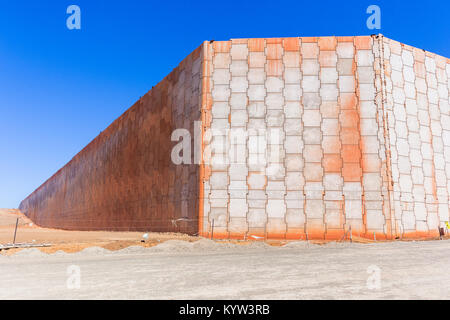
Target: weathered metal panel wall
125	179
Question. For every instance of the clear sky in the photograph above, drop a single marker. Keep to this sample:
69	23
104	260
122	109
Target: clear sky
59	88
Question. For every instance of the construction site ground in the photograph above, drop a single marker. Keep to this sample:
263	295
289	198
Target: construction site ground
118	265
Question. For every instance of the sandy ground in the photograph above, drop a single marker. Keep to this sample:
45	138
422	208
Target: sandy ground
116	265
73	241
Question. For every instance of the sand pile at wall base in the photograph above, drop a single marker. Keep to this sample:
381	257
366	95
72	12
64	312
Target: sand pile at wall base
180	246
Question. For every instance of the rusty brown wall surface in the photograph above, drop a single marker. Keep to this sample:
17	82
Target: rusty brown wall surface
125	179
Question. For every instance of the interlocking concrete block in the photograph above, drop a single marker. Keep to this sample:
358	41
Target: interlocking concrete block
329	92
256	109
312	135
239	68
314	208
294	181
256	92
294	162
345	50
275	101
239	52
276	208
310	83
239	84
311	118
368	127
328	75
293	110
238	207
220	110
293	127
221	93
219	180
293	144
238	118
274	84
333	182
310	67
237	189
311	100
353	209
364	58
346	67
330	127
372	181
366	74
292	92
221	76
313	171
256	76
292	75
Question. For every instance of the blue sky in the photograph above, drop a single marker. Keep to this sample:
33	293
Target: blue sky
59	88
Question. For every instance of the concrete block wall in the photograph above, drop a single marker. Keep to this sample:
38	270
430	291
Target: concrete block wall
336	113
301	138
417	108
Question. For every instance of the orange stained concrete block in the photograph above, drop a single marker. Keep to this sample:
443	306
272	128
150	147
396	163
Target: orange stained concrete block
315	229
256	60
274	51
350	135
327	58
327	43
331	144
291	44
345	39
363	42
329	109
419	69
419	55
256	45
441	62
295	234
334	234
274	40
371	163
332	163
274	68
222	46
313	152
351	172
348	100
309	39
351	153
239	41
349	118
309	50
313	171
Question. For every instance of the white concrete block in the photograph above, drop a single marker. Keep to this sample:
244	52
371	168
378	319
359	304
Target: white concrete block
275	101
256	92
310	83
256	76
311	118
276	208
